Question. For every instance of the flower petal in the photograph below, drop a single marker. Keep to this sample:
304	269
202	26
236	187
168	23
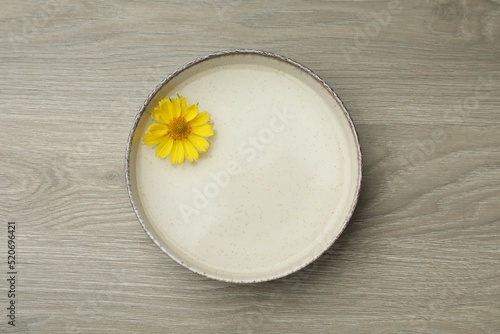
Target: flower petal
164	148
200	143
205	130
190	113
167	105
156	133
183	103
177	154
151	139
200	119
163	113
176	107
190	150
158	129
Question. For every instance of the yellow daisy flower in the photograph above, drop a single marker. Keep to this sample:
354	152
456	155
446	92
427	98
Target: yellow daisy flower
180	130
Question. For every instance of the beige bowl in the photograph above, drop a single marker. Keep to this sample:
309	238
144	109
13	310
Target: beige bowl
278	184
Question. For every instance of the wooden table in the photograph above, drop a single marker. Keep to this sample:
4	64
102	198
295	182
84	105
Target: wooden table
421	80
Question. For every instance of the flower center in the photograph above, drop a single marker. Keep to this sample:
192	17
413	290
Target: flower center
178	129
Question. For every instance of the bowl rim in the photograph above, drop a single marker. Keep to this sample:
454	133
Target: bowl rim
232	52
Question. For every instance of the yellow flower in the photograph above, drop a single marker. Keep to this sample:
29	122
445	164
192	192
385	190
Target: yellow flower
180	130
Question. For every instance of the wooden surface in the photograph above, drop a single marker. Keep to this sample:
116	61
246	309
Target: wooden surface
422	83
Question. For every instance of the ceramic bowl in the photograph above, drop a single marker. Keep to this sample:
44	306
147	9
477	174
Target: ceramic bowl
278	183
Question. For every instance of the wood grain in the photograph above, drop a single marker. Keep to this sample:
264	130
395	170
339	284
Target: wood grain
422	83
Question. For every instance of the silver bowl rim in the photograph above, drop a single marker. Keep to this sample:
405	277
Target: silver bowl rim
231	53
